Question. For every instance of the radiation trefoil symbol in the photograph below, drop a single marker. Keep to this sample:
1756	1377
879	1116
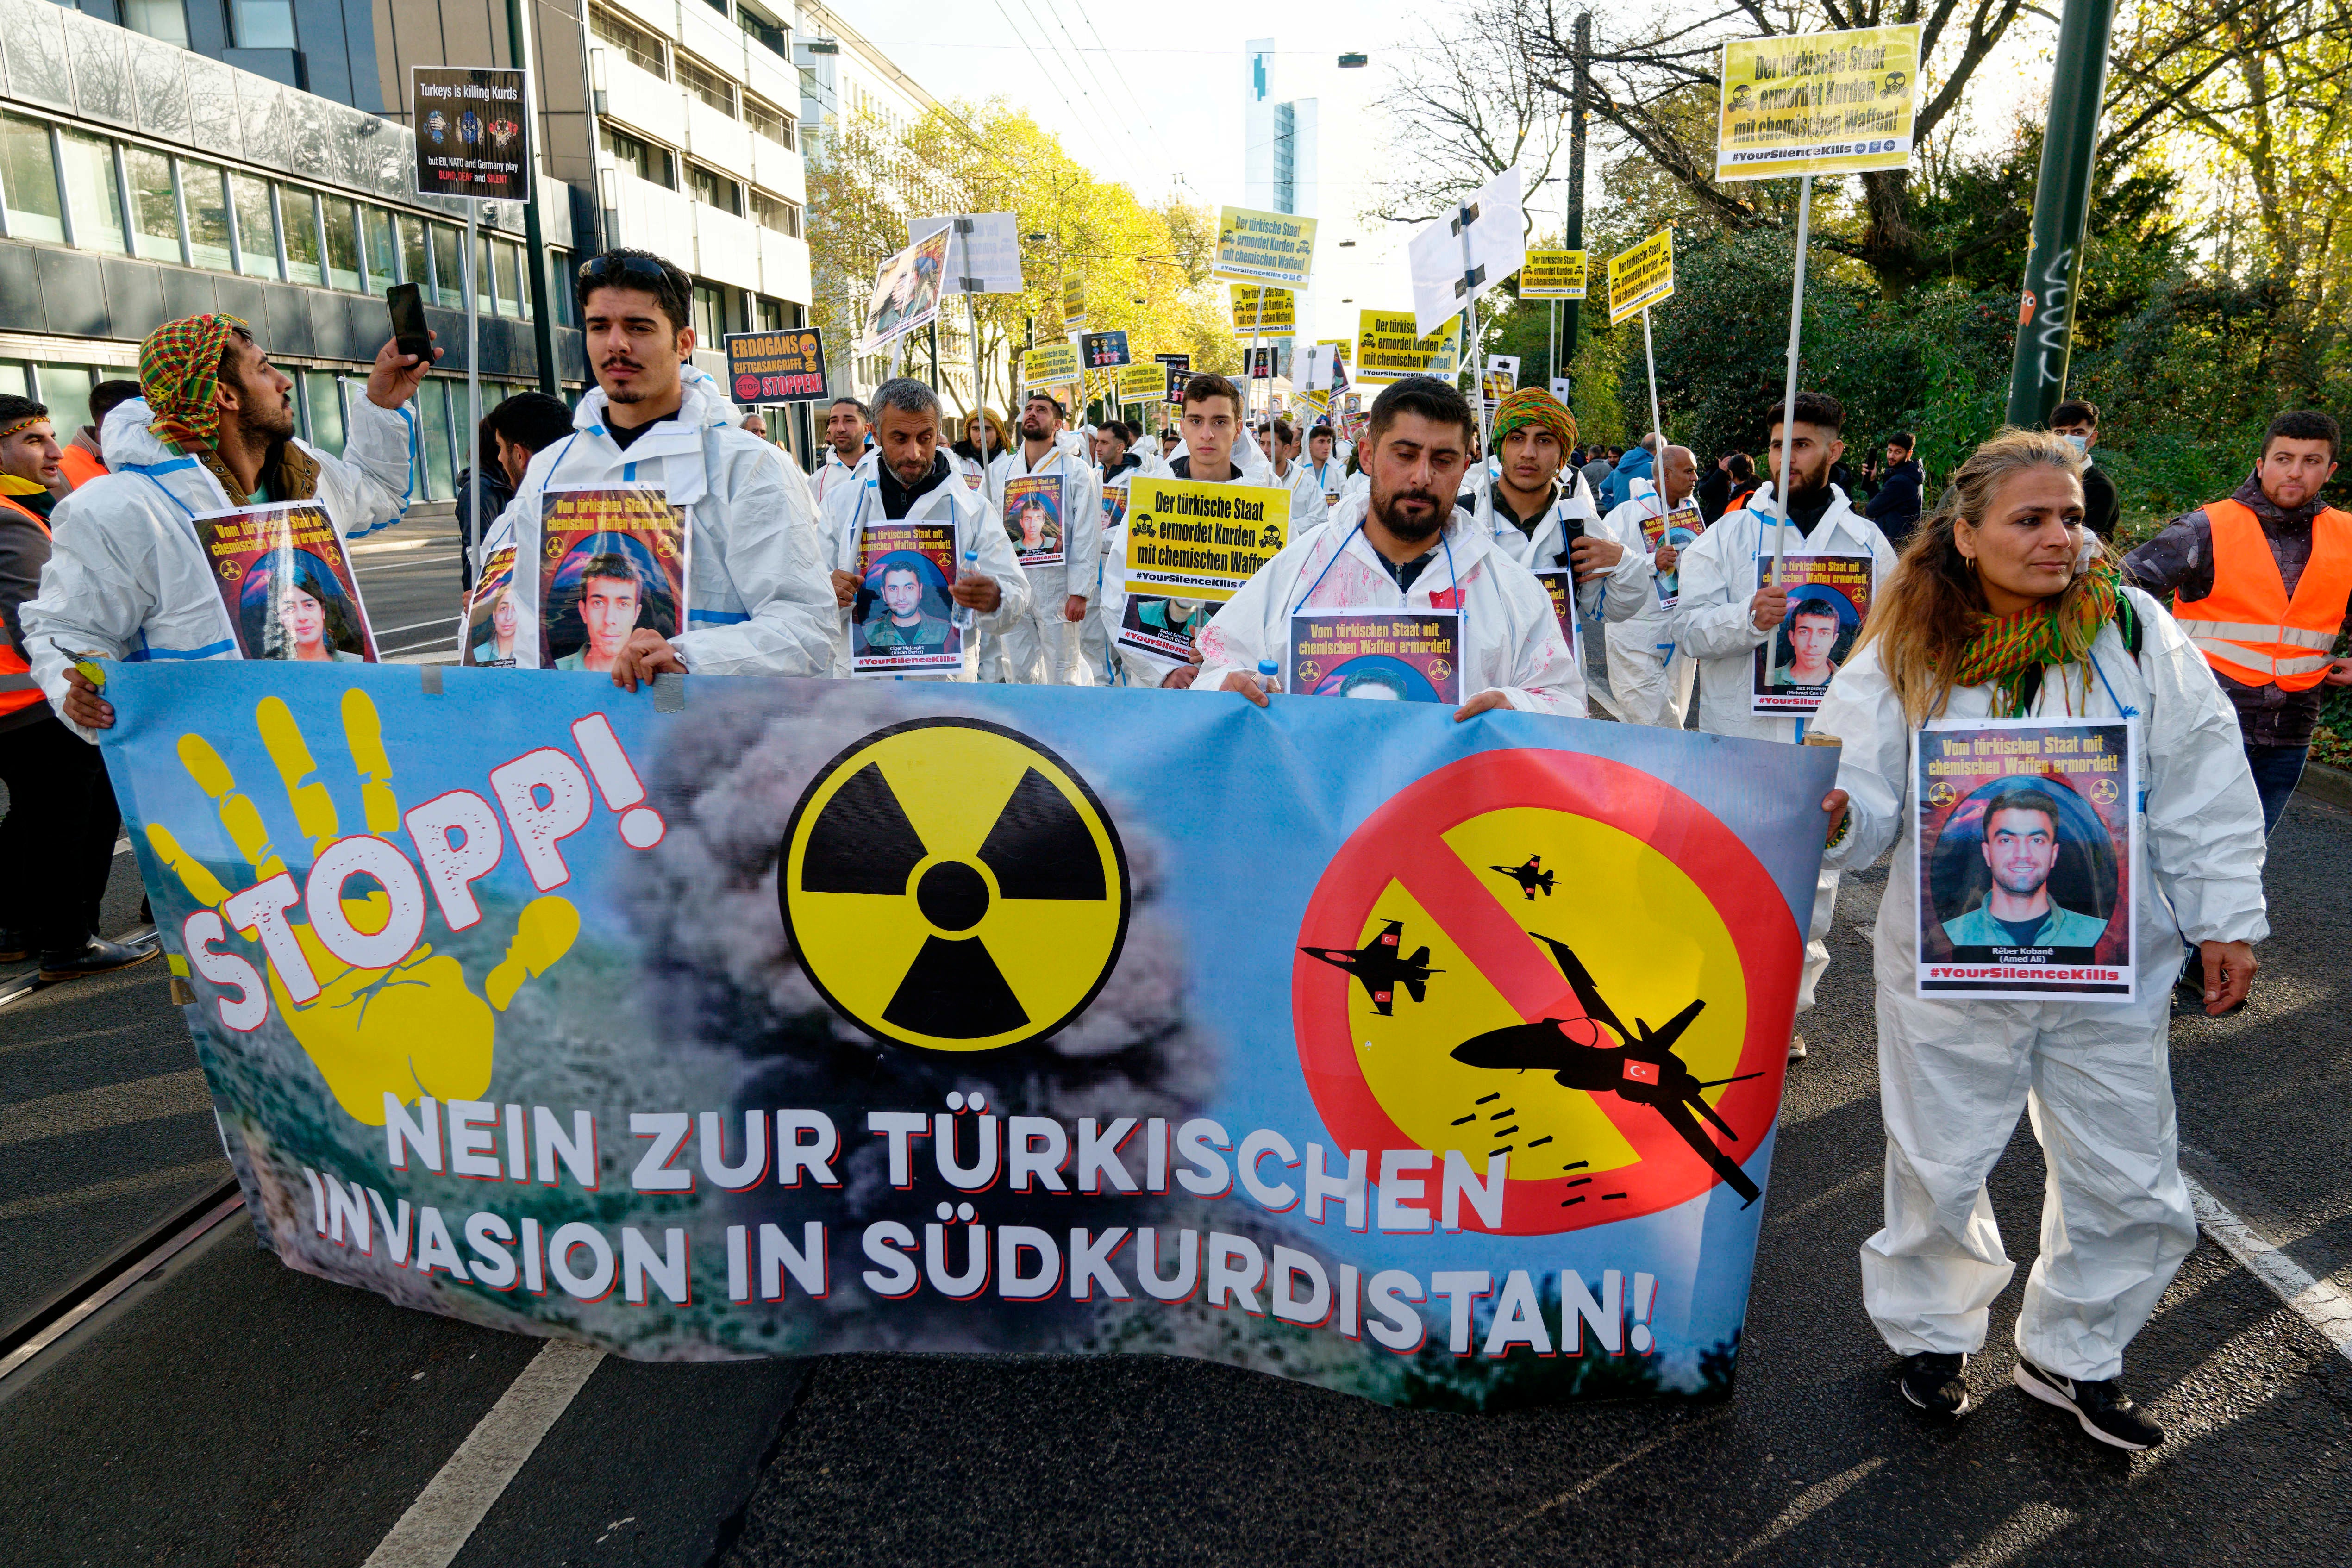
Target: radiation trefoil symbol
951	885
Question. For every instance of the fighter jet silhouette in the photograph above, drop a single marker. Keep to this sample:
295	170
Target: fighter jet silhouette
1378	967
1528	876
1641	1067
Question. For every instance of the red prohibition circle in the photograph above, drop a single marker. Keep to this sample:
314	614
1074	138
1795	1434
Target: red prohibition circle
1770	945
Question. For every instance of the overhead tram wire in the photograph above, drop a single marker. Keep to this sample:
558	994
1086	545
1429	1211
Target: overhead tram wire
1103	125
1120	119
1117	70
1072	91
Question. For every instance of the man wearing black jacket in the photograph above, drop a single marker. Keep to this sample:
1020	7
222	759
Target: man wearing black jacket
1895	508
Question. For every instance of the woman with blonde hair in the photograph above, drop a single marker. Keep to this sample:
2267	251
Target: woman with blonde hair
2004	605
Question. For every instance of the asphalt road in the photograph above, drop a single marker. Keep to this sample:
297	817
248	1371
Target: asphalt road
409	581
229	1411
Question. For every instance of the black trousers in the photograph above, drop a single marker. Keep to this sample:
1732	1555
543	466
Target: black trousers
57	843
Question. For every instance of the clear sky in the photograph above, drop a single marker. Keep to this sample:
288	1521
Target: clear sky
1154	98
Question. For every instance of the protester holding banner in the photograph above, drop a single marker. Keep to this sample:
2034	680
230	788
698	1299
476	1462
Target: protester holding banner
1405	548
2004	615
1730	624
215	432
903	479
1650	678
1308	507
1045	490
847	437
757	601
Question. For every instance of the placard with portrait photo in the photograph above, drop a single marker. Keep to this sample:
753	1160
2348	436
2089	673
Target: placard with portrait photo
2027	844
612	559
1829	599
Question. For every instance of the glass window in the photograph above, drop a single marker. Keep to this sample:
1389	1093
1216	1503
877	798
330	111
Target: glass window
484	301
381	247
298	211
645	160
165	20
560	284
153	206
323	397
66	389
713	188
14	382
342	243
263	23
766	29
418	261
433	414
448	265
256	226
94	191
707	85
29	179
202	188
772	316
512	301
777	214
644	49
768	119
710	314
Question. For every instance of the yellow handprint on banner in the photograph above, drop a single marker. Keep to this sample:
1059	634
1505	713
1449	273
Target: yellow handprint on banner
414	1027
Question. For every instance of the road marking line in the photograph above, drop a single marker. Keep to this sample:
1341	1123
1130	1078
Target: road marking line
436	620
443	1518
2326	1306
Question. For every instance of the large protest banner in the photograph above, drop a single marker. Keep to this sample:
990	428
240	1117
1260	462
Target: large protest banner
1817	103
743	1017
1389	345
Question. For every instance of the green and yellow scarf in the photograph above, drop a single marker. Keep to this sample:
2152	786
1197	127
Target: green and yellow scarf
2010	653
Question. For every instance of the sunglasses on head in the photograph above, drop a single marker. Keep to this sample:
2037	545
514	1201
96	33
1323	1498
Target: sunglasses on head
623	268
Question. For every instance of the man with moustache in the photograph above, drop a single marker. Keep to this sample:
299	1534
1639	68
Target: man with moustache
759	600
1404	546
1041	646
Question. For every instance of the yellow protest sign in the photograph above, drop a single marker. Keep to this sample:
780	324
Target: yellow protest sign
1641	277
1346	346
1277	311
1142	383
1049	365
1388	347
1074	304
1263	247
1552	275
1817	103
1203	539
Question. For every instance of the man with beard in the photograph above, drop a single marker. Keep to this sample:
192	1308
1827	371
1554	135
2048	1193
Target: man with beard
757	598
1648	676
213	432
906	477
1404	546
847	435
1041	645
2021	849
1721	617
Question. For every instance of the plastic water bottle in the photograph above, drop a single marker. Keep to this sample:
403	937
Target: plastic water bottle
1266	670
967	619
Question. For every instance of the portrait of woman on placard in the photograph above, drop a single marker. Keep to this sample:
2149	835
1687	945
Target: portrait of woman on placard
292	607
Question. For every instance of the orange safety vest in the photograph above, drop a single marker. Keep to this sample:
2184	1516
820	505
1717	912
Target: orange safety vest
18	690
81	467
2247	628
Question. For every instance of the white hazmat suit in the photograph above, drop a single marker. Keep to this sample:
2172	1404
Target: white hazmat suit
1711	623
126	575
758	601
1648	675
1041	647
1511	638
1953	1074
855	503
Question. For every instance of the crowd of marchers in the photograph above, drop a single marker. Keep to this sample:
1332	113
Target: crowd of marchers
2001	598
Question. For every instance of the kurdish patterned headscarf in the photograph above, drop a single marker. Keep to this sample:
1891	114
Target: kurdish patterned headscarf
1535	406
179	375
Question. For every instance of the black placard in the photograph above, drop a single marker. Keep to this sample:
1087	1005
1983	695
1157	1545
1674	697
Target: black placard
1104	350
473	132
